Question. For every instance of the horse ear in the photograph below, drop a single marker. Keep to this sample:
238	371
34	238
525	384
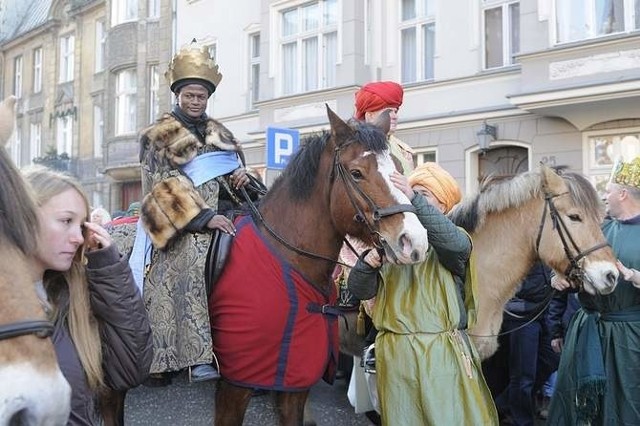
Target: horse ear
7	119
383	122
551	181
340	131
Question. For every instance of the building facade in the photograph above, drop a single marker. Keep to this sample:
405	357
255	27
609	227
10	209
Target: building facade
491	86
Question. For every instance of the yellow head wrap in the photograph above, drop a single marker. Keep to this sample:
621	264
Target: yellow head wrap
437	180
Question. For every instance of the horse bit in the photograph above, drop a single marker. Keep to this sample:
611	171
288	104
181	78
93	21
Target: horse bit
574	272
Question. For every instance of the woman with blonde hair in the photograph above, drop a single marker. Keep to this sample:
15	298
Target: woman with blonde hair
102	335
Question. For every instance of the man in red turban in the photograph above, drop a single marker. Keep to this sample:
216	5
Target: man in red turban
374	98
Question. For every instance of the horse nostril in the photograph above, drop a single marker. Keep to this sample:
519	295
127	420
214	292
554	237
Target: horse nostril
612	277
415	256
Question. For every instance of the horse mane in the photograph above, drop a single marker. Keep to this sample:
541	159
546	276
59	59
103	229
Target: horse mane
18	217
303	166
501	195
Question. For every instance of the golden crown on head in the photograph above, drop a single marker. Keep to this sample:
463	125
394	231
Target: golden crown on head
627	173
193	64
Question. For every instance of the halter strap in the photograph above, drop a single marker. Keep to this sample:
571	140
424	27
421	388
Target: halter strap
38	328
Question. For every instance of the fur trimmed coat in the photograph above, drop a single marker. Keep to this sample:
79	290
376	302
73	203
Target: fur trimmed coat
174	288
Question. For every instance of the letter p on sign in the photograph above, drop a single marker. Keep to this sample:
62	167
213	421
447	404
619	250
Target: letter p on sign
281	145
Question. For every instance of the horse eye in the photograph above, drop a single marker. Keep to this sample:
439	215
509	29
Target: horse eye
575	218
356	174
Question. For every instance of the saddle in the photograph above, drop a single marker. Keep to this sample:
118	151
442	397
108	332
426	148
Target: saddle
217	255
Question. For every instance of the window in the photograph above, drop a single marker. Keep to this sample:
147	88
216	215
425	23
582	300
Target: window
124	11
126	102
101	40
309	46
37	70
501	34
425	156
16	152
66	58
583	19
154	88
98	131
254	71
154	8
17	76
64	134
417	40
605	149
35	142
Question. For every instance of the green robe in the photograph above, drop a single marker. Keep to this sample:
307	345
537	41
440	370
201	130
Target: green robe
619	340
428	371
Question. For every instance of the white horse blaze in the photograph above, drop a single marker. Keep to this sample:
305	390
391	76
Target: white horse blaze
41	399
412	245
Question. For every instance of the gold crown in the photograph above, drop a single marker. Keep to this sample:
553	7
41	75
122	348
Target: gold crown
193	61
627	173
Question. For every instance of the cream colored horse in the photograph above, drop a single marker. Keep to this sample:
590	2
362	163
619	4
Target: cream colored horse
33	390
512	223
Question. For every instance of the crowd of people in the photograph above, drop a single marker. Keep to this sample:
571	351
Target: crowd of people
136	311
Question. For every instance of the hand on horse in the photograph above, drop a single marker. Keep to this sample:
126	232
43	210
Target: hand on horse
222	223
373	259
96	237
239	178
629	274
560	283
402	183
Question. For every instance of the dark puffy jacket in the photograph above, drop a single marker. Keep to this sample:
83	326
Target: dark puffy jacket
534	290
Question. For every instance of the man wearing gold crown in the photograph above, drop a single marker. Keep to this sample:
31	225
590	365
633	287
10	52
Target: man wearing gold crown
190	166
598	381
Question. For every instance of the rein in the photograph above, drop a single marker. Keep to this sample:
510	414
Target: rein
574	271
39	328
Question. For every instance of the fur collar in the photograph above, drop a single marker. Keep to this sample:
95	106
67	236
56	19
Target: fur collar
173	140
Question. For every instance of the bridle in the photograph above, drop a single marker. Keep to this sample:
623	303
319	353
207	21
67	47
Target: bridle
574	272
354	192
38	328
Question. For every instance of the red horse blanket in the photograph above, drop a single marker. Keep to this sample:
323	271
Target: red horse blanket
268	328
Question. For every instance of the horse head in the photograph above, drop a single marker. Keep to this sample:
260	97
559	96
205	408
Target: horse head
381	214
33	389
569	239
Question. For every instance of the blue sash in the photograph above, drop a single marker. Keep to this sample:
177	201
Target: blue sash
207	166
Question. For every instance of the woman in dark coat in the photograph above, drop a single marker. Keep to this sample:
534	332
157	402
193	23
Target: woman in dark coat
102	335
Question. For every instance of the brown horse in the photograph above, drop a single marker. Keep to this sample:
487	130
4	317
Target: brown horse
537	214
33	390
337	184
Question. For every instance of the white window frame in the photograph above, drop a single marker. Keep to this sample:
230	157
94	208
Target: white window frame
414	69
153	9
126	101
325	69
425	155
598	163
16	147
35	140
507	30
38	56
64	135
631	21
98	130
123	11
100	47
154	90
17	76
254	68
67	58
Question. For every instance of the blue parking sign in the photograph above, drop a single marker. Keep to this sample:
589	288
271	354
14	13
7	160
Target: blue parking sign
281	145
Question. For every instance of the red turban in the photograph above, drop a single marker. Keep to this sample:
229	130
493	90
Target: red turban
376	96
